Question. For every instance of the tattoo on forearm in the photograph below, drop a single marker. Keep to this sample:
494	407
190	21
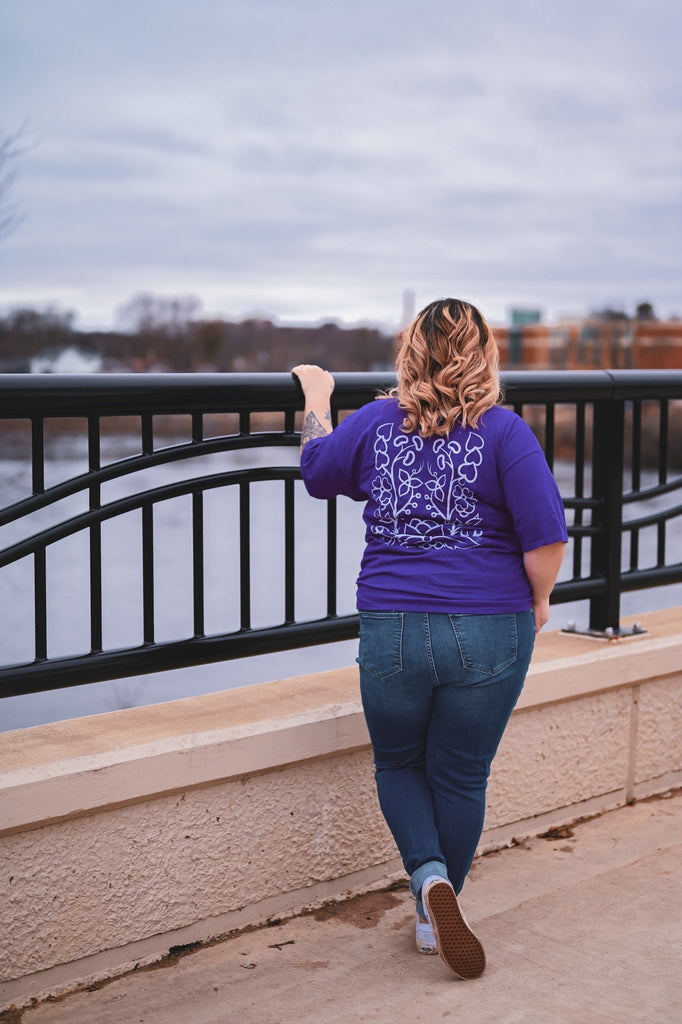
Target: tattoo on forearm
313	428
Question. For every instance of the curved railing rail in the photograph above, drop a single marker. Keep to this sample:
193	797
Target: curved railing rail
616	428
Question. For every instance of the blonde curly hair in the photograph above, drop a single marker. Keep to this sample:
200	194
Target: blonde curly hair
448	369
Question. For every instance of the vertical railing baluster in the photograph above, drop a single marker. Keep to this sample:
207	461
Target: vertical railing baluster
663	442
245	536
39	558
660	545
147	433
579	485
289	553
332	545
94	463
245	555
636	474
636	444
332	542
662	474
290	533
197	427
549	433
148	613
198	561
38	454
148	572
40	603
634	547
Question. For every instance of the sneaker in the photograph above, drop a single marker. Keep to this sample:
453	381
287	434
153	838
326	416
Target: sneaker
458	946
426	940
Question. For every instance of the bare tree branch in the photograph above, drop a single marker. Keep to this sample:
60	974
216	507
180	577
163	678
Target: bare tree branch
10	149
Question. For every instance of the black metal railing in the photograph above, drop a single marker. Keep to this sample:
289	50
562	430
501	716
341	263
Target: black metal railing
620	432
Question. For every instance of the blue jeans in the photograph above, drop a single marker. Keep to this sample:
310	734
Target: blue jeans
437	691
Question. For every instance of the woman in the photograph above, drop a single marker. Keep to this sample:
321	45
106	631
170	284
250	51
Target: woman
465	533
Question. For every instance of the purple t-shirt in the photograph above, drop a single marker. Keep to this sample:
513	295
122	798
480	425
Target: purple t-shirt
447	518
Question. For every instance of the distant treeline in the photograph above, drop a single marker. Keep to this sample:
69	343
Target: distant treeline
178	343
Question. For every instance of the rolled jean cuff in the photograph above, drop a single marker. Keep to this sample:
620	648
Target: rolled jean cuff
432	867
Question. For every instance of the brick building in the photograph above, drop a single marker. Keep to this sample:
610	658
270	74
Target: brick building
592	344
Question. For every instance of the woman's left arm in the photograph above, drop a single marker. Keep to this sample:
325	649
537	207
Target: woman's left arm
542	568
317	385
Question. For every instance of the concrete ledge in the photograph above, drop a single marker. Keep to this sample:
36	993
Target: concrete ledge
609	665
125	833
71	768
36	795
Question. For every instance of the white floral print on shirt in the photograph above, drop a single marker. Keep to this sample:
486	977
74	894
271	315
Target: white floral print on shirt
425	501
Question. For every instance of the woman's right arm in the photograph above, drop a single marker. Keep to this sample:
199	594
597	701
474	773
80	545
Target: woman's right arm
317	386
542	568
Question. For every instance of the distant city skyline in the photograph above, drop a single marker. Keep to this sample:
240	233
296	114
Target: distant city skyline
308	162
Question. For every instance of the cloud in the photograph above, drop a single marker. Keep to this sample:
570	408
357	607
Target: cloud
314	160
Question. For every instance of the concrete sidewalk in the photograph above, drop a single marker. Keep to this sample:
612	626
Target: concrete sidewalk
583	928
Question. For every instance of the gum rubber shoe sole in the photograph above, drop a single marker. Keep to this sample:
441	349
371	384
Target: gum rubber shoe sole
458	946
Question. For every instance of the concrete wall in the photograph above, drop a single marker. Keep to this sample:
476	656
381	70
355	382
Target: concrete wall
125	834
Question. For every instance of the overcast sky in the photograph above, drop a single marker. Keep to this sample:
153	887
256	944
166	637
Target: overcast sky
310	160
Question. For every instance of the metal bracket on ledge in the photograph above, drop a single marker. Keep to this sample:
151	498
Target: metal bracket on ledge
637	629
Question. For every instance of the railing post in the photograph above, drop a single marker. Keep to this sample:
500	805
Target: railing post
607	488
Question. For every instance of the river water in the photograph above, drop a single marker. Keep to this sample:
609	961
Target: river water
68	587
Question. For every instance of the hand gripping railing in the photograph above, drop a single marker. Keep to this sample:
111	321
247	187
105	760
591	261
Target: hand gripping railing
597	420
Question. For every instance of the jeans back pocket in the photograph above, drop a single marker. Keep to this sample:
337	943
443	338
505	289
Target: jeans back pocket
381	643
487	643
